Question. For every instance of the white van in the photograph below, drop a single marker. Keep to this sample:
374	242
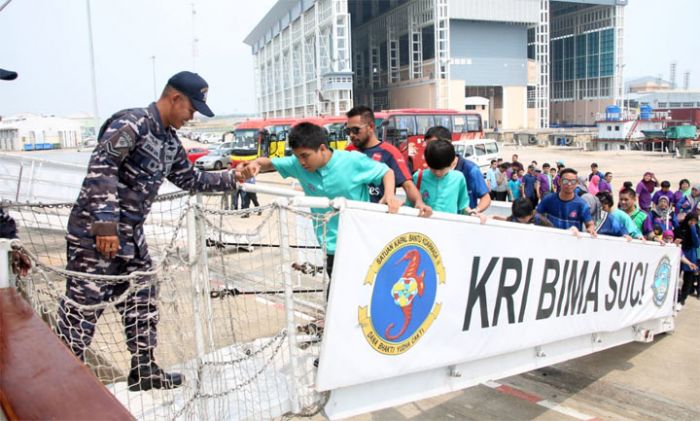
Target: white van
480	151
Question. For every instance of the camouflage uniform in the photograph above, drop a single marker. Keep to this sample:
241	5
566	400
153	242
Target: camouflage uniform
135	152
8	228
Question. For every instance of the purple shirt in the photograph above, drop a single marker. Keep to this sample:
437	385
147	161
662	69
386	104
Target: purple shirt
604	186
658	194
544	184
555	183
677	197
643	196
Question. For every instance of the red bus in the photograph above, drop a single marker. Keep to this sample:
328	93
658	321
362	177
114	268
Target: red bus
404	128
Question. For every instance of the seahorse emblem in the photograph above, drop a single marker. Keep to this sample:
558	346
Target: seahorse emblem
405	291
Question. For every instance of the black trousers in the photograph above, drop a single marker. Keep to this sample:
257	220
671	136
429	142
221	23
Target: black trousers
689	279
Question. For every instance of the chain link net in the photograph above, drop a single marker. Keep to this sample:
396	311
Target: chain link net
223	306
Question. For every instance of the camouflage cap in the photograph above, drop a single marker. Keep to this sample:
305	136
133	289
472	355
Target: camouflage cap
193	87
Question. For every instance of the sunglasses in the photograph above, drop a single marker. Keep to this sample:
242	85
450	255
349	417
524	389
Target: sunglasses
354	130
566	182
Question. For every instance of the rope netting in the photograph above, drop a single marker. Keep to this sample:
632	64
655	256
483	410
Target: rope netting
233	301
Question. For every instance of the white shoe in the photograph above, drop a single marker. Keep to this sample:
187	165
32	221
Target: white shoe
678	307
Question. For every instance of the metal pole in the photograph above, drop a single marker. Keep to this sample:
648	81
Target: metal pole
19	181
289	307
2	6
195	274
194	40
153	65
95	111
204	265
5	247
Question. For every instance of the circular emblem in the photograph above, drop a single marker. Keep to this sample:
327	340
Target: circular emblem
404	278
662	280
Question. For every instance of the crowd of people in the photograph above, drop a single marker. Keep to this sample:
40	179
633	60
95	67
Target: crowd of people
560	197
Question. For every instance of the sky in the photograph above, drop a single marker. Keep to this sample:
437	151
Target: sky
46	42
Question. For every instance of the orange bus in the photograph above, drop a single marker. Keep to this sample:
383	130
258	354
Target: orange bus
404	128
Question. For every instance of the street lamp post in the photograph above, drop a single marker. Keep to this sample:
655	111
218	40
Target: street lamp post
153	65
95	111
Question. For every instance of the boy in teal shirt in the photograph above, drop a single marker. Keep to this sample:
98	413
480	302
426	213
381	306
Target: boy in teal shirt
323	172
515	187
441	188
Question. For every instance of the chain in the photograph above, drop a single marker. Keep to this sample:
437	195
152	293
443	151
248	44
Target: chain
280	336
236	388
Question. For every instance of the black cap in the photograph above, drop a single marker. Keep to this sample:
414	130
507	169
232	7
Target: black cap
7	75
193	87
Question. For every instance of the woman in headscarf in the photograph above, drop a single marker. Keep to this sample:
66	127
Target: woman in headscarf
688	203
593	185
662	215
683	190
582	186
644	190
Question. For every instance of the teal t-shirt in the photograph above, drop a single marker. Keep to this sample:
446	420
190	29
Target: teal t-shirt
630	226
445	194
514	187
346	174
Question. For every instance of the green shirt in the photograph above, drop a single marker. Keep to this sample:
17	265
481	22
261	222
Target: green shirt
346	174
445	194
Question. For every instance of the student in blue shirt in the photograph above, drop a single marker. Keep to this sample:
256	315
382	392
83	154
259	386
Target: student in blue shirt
441	188
530	185
476	185
323	172
564	209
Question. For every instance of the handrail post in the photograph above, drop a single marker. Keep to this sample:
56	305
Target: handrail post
289	307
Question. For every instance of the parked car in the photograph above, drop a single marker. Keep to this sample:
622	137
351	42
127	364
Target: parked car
217	159
195	153
479	151
210	138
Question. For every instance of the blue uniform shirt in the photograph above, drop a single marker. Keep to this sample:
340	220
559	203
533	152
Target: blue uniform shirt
346	174
529	185
476	186
565	214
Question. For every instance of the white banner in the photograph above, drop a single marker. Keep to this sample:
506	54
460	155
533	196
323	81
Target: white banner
411	294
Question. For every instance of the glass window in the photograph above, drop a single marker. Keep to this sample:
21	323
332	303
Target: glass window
473	123
424	122
405	122
403	50
459	122
444	121
428	34
480	149
491	148
468	151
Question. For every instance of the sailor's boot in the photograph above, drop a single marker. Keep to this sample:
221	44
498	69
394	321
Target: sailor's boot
146	375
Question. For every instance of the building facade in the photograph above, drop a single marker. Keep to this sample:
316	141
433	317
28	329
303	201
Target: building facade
534	62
